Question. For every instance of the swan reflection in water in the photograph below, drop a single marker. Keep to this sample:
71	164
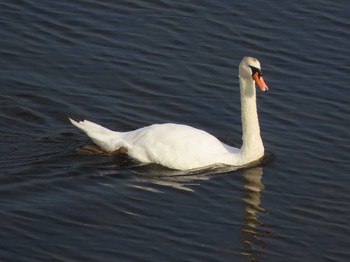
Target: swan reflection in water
253	232
182	180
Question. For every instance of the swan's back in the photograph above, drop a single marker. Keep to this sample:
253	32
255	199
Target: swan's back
176	146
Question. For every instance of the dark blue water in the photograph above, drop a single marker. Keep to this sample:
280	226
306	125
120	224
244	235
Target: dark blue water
127	64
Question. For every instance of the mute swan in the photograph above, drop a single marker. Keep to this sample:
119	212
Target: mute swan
183	147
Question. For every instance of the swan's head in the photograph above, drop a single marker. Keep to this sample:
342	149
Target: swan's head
250	68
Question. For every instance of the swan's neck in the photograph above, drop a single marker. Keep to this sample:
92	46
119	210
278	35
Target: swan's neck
252	147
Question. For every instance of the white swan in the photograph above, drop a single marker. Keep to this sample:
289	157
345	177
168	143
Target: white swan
183	147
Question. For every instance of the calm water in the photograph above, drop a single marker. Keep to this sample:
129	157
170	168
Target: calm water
126	64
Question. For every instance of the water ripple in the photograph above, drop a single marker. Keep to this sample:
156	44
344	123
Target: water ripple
132	63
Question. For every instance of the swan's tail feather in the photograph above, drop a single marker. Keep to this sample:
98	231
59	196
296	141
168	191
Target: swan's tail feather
100	135
88	126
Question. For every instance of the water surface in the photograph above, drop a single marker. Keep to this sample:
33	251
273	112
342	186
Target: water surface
128	64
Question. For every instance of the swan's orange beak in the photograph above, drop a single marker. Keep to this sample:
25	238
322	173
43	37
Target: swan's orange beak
259	80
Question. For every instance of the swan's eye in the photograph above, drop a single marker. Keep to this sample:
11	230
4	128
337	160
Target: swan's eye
254	70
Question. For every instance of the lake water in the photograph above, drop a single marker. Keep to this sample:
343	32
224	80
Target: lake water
127	64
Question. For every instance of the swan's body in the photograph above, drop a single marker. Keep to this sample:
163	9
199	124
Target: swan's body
183	147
